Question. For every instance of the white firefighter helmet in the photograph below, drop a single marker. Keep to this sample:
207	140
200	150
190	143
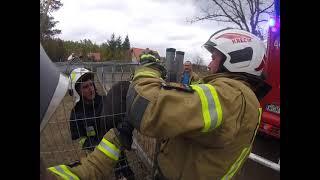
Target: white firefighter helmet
244	51
71	56
75	75
53	87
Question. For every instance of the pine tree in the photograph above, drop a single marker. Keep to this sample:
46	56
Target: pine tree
126	48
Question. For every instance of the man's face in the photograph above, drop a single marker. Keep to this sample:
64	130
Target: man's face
87	90
216	57
187	67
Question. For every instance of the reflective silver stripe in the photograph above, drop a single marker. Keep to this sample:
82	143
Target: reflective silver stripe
58	168
211	105
106	147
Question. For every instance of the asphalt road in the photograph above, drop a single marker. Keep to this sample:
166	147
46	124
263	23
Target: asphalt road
268	148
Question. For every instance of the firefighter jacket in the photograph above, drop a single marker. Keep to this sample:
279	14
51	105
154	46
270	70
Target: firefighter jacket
193	78
97	165
90	122
206	130
100	163
85	122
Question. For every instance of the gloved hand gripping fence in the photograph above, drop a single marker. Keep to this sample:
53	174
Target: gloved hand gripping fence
125	133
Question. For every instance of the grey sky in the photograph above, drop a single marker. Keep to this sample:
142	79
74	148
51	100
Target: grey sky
157	24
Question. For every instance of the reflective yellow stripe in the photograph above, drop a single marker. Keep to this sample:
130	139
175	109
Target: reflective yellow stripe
109	149
63	172
245	152
234	168
82	140
73	76
91	133
147	56
146	74
204	106
217	102
211	107
260	114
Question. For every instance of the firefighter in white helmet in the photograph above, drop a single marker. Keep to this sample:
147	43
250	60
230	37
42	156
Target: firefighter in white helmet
93	115
53	87
206	129
84	125
71	57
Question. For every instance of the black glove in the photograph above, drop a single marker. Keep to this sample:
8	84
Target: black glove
125	134
151	59
74	164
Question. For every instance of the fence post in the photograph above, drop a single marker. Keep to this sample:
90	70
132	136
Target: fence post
112	73
170	55
179	65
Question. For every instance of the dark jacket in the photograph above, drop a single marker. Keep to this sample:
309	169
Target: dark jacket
103	114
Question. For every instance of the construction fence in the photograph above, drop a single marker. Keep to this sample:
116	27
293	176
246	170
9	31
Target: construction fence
57	146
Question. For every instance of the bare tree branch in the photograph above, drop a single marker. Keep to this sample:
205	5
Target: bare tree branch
257	16
250	4
209	17
243	17
243	14
224	20
262	11
235	7
236	22
232	7
262	20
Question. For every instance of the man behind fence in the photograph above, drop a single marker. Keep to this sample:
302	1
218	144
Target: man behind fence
94	115
189	76
206	130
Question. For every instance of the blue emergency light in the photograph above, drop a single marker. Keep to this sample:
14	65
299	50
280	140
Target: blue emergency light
272	22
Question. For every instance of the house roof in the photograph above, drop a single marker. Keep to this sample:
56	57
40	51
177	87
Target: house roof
136	52
96	56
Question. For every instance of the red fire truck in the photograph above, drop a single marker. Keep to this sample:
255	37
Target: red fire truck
270	121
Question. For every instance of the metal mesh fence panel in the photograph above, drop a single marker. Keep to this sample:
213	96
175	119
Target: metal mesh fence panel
57	145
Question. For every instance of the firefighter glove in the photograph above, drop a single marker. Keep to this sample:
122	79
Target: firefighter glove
125	130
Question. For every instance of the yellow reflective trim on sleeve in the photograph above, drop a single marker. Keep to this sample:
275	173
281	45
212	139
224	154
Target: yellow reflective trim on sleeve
217	103
109	149
63	176
147	56
112	146
73	76
146	74
211	107
260	114
64	167
235	166
204	107
82	140
63	172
